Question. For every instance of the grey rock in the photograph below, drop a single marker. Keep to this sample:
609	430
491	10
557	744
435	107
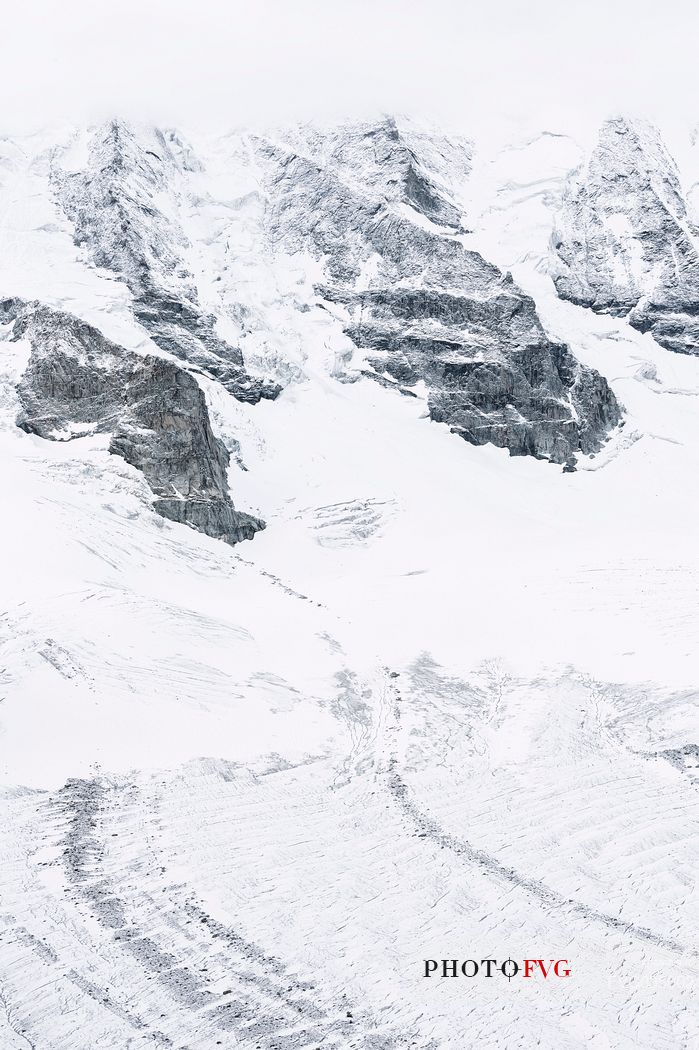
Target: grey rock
421	305
77	381
113	204
395	161
624	242
535	400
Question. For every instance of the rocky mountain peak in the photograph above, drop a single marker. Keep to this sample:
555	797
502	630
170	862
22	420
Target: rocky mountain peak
401	163
124	201
624	242
422	307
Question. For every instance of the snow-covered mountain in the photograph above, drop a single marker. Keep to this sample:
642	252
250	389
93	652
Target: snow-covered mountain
443	705
370	206
625	239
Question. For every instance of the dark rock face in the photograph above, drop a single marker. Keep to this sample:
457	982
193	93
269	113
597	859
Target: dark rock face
379	206
624	243
422	307
539	402
113	203
79	382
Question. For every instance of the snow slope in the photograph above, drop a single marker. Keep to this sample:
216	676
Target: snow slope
442	707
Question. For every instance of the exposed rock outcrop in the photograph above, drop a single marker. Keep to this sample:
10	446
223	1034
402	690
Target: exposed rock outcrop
379	209
124	211
423	307
534	399
78	382
624	242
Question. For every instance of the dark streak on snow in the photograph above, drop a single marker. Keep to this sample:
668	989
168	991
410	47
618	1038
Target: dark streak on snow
430	831
272	1010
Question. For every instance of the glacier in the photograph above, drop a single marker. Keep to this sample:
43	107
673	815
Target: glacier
444	704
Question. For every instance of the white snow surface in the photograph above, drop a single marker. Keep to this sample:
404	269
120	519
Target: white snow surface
434	710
